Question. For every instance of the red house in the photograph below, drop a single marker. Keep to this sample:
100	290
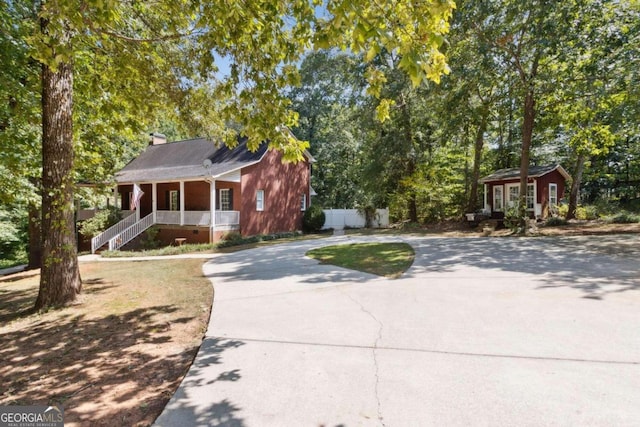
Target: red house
546	185
196	192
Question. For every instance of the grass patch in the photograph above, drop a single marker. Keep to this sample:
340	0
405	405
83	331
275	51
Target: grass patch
119	353
383	259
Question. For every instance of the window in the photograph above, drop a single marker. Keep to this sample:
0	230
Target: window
225	199
260	200
530	198
174	200
514	193
303	202
553	195
497	198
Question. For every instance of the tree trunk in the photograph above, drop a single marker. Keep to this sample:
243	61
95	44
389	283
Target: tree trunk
477	158
575	186
60	276
527	136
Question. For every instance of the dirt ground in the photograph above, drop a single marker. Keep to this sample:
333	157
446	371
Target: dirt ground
114	358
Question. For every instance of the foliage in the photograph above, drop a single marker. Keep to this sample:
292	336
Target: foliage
370	214
625	218
555	221
11	237
382	259
149	239
513	218
102	220
313	219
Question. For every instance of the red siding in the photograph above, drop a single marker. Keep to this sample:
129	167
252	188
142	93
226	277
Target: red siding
283	185
542	189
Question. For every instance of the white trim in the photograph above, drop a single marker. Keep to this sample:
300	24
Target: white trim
486	199
303	202
181	202
154	200
212	208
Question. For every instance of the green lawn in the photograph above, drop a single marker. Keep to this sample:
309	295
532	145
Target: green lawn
382	259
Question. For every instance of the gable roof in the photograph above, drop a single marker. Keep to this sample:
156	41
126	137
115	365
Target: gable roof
534	172
185	160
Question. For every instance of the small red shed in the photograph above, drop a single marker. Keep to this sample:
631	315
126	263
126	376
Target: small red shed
546	186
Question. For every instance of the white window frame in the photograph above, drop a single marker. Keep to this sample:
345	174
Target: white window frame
531	196
553	194
225	200
498	199
260	200
512	194
174	200
303	202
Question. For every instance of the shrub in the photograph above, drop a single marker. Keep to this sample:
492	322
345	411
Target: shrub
150	239
313	219
102	220
555	221
586	212
512	218
625	218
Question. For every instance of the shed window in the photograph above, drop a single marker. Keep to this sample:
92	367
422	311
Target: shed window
260	200
497	198
553	194
530	198
303	202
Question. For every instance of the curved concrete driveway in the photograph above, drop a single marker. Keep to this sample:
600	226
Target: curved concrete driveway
478	332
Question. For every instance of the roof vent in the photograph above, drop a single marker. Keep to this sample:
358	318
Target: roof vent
157	139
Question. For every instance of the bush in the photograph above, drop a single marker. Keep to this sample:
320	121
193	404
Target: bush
150	239
625	218
100	222
586	212
512	218
313	219
555	221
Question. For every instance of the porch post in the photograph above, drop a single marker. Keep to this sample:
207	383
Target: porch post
181	202
138	208
486	198
115	197
154	200
212	207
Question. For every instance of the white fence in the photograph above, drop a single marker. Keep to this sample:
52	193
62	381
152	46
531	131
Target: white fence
341	218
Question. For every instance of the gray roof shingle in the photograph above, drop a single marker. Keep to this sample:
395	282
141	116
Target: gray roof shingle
514	173
185	160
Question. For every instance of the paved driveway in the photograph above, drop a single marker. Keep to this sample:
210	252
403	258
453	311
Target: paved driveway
480	331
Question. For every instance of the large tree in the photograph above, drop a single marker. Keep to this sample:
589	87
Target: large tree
261	40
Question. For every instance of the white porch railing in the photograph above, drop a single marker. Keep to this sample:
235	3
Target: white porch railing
197	218
201	218
130	233
227	217
168	217
102	238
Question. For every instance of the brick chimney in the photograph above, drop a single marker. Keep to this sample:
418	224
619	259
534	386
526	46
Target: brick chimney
157	139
